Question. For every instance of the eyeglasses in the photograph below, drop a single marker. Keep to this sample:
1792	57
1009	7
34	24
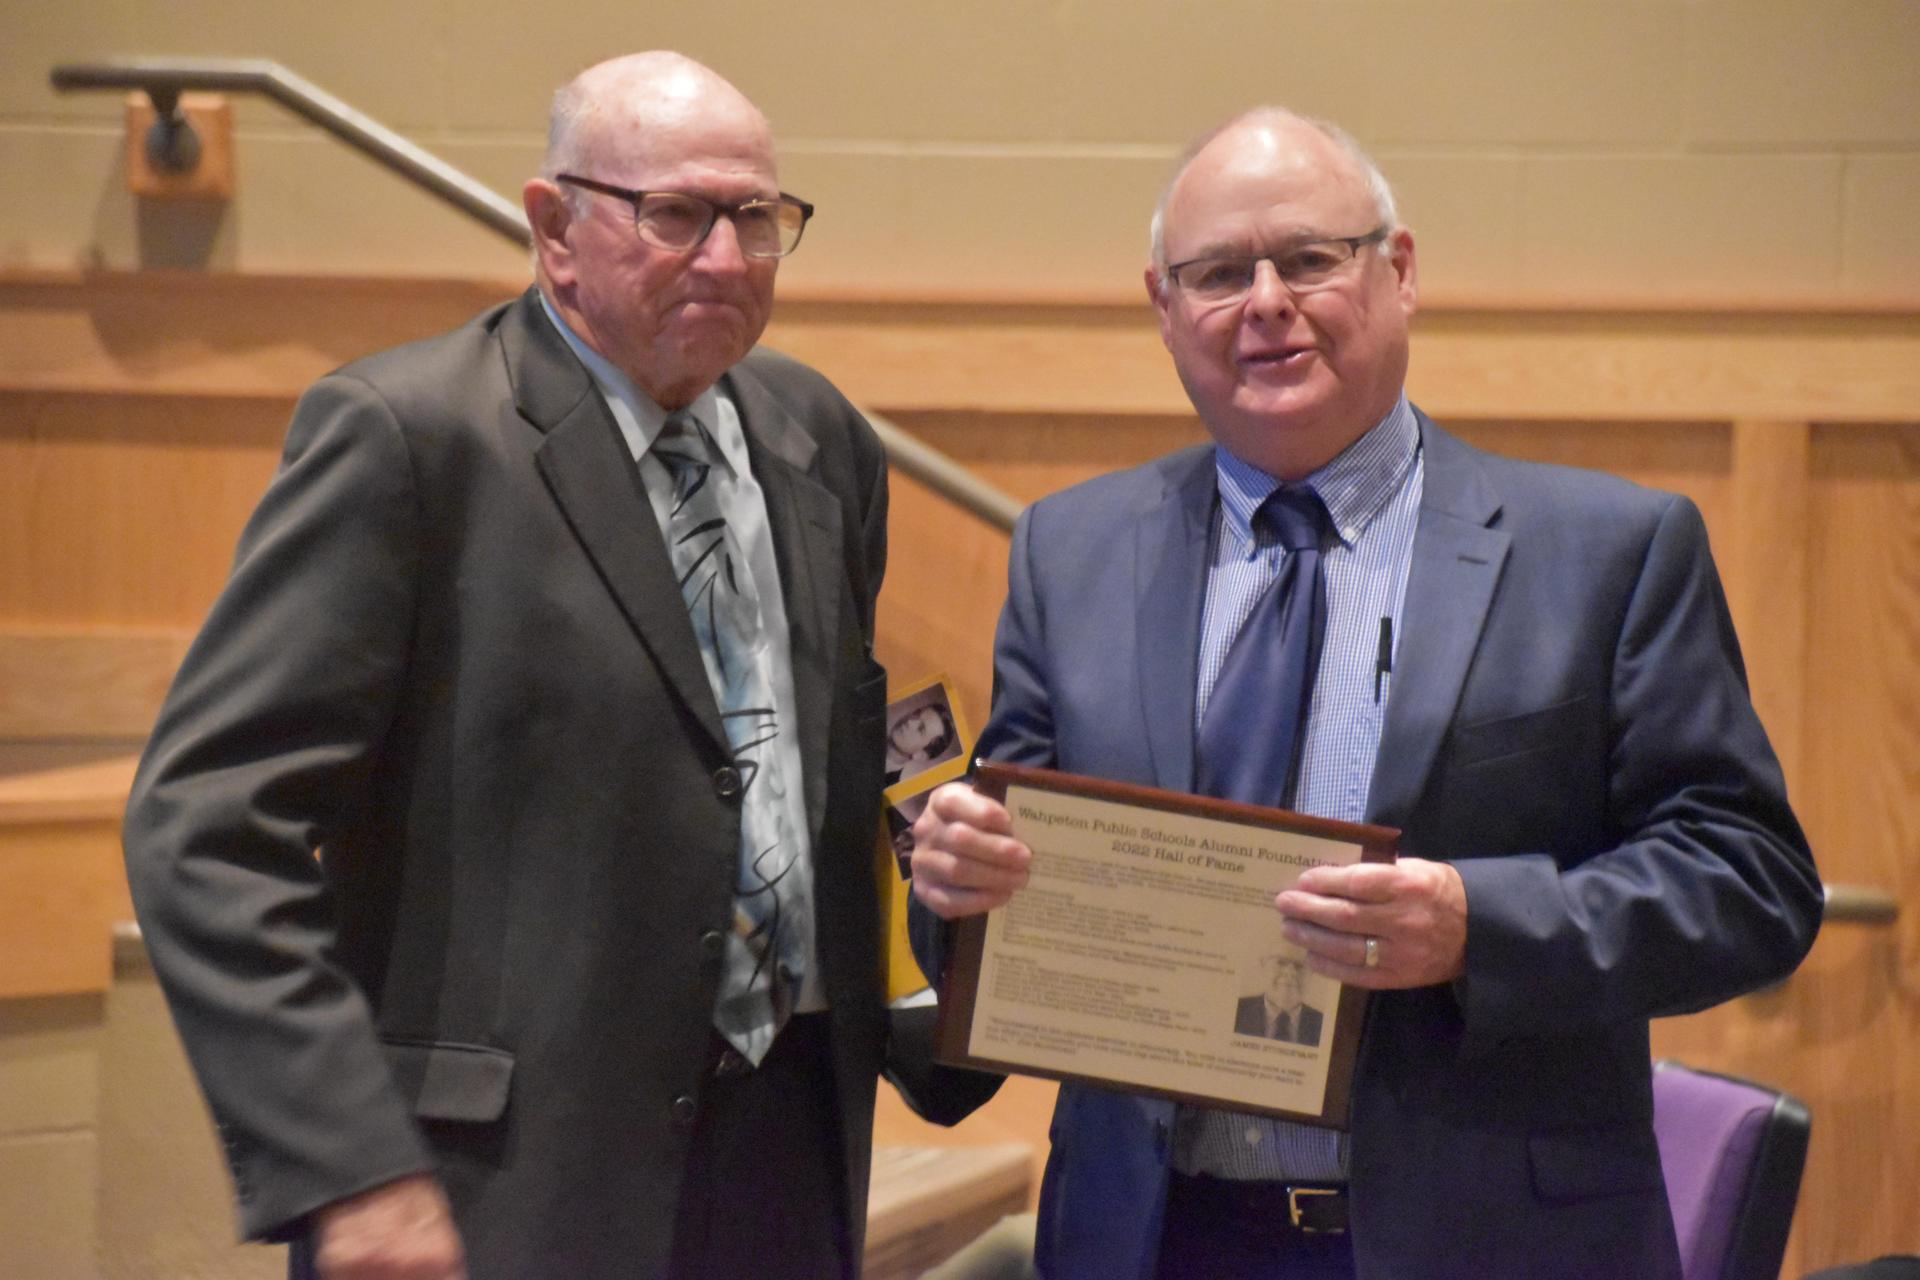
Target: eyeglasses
678	222
1303	267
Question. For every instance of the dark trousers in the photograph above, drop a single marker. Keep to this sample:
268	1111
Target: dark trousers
764	1190
1216	1229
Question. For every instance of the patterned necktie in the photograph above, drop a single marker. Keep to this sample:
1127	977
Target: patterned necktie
1249	743
772	916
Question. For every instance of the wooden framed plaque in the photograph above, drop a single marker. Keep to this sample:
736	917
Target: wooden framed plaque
1145	953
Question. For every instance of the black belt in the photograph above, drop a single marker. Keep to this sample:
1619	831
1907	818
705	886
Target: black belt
1311	1208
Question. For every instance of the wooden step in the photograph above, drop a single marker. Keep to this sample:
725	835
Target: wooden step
62	886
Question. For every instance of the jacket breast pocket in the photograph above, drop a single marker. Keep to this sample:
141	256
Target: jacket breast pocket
1518	782
1486	741
461	1083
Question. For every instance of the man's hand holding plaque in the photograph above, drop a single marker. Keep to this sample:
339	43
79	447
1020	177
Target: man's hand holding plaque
966	859
1381	926
1176	945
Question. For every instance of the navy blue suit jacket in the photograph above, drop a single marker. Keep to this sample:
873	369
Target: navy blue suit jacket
1568	723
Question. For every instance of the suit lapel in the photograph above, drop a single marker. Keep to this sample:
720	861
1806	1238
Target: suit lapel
597	485
1457	559
1170	552
805	521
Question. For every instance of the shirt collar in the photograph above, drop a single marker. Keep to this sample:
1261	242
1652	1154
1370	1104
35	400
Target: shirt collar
635	412
1354	486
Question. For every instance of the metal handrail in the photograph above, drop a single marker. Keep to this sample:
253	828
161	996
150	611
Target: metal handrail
1860	904
165	79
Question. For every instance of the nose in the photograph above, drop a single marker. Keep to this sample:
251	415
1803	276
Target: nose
720	252
1268	296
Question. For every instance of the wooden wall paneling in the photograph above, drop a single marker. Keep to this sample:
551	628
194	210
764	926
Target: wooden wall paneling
1764	563
123	509
1850	1047
1666	366
85	684
983	357
63	891
1760	533
1683	456
199	334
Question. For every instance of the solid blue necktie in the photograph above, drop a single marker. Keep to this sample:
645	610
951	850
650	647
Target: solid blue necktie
1256	719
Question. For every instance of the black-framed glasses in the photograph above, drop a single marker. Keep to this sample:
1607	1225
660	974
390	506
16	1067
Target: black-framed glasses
678	222
1302	267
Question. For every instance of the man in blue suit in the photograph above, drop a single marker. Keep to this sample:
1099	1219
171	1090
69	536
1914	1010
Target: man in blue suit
1530	670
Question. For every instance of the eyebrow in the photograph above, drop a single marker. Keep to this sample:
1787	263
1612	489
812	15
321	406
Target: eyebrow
1236	249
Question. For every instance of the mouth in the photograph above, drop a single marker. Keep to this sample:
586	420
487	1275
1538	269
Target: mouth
1281	359
708	304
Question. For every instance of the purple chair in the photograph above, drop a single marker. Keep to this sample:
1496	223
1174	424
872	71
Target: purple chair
1732	1152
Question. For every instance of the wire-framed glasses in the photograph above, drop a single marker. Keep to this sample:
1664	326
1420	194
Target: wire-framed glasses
1302	267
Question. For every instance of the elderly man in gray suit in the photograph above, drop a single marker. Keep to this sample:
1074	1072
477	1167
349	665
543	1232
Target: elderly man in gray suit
553	637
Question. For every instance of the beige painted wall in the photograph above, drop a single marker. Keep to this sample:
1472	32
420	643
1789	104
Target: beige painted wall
1683	150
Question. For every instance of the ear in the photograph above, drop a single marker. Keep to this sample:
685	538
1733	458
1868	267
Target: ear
551	222
1160	294
1405	269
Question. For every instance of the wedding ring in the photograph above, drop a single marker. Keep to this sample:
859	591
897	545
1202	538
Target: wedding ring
1373	953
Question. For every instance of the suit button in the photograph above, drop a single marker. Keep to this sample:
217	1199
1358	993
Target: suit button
726	782
683	1110
712	943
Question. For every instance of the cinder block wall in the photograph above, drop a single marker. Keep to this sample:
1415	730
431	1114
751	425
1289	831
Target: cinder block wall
1683	150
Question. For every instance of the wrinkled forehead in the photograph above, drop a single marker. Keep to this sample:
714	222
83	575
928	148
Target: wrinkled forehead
1266	183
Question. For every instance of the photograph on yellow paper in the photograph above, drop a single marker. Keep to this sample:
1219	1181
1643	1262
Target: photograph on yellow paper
927	743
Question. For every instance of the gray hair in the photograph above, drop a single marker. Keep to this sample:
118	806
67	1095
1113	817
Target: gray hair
566	141
1377	185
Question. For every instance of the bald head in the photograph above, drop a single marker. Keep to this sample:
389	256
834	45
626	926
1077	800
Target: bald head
673	319
645	105
1286	370
1272	132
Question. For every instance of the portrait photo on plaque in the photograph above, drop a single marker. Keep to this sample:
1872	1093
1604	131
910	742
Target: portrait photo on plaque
1280	997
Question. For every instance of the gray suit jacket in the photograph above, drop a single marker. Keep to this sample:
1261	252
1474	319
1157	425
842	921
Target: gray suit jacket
453	658
1568	723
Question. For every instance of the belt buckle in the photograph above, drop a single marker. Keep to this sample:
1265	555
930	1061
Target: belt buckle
1297	1213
